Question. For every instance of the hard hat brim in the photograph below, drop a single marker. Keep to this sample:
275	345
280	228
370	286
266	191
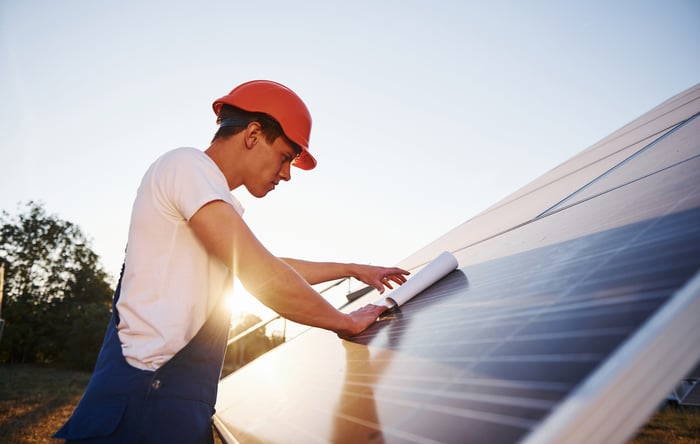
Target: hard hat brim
305	160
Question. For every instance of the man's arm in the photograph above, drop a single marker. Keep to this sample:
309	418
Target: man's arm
225	235
377	277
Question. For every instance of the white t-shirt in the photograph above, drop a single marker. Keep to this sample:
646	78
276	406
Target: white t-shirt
170	283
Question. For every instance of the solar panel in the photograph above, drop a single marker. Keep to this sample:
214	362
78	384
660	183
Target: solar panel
571	316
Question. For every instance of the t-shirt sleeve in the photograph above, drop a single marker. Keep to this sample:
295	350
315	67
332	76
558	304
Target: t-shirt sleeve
186	180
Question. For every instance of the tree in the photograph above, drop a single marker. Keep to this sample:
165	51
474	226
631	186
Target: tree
57	297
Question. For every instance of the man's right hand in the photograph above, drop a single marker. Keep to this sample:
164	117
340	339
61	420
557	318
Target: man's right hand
361	319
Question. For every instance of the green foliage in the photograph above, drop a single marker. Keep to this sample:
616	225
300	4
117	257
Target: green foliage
57	297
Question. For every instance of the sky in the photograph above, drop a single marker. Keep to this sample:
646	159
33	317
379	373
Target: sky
425	113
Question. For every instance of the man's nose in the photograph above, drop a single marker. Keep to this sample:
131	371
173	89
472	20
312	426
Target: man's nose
286	171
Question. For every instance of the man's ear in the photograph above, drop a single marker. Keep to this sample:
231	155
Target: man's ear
253	133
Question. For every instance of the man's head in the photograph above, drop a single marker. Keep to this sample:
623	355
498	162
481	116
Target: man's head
278	110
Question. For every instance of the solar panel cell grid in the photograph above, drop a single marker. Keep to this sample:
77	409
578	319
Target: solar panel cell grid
570	325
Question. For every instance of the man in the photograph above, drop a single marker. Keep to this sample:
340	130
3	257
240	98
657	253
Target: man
157	372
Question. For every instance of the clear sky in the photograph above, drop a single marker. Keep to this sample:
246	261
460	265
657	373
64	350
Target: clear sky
425	112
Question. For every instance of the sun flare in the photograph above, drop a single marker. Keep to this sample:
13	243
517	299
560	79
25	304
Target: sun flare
239	301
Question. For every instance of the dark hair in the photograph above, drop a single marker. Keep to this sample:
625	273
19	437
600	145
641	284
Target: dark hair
240	118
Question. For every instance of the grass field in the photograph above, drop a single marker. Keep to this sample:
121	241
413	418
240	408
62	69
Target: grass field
35	401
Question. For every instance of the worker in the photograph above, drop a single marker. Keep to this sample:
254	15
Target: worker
156	376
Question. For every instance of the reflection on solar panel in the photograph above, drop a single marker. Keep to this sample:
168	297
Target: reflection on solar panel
572	315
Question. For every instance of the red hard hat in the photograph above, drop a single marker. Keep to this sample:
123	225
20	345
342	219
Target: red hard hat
281	103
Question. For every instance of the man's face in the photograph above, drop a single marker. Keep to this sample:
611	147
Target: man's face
273	162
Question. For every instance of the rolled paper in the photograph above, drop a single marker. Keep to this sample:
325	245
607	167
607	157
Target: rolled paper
427	276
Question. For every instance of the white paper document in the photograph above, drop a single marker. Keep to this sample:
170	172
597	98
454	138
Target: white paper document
427	276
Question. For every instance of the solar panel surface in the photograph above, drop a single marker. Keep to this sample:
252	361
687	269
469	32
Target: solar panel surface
552	282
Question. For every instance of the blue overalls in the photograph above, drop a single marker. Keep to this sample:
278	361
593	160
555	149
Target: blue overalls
174	404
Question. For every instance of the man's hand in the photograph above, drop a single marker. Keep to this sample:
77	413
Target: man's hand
361	319
380	277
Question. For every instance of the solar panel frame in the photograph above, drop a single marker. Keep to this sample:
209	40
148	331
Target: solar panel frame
646	367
